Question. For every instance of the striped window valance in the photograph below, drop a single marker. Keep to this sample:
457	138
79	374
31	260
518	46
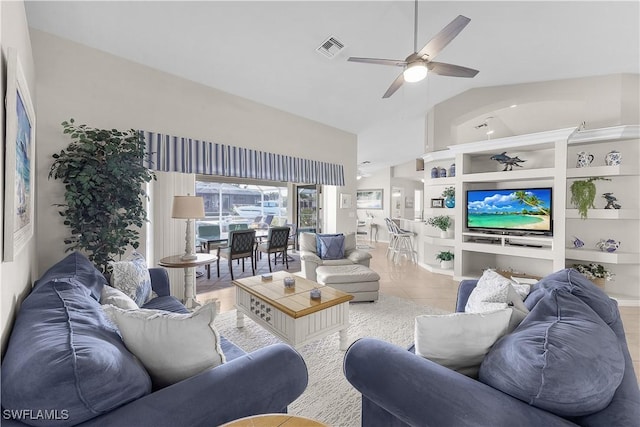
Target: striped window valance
168	153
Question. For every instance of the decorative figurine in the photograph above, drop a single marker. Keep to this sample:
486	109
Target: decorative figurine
577	243
508	162
289	282
611	201
608	245
584	159
315	294
613	158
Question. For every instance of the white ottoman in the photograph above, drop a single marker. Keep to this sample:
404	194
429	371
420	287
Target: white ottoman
355	279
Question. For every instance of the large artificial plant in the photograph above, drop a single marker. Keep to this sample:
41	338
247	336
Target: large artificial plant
103	175
583	194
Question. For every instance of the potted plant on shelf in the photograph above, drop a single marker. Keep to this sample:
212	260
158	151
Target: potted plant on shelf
441	222
583	194
594	272
446	260
103	175
449	195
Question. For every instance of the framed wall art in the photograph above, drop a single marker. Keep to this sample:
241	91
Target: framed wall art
437	203
369	199
19	164
345	201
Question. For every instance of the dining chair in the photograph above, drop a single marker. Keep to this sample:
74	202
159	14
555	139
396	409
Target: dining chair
277	243
206	232
266	223
241	244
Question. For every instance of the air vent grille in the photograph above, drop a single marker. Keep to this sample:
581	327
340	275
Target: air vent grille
330	47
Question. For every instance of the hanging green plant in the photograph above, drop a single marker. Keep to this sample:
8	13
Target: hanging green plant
103	176
583	194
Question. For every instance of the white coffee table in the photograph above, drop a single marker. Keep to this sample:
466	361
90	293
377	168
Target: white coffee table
291	314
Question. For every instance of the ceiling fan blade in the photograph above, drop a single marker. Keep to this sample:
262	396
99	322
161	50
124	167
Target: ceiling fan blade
393	62
444	69
444	37
394	86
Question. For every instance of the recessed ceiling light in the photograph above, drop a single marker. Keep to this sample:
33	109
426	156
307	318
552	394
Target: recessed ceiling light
490	132
514	106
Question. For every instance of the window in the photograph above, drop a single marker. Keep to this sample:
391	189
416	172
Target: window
240	202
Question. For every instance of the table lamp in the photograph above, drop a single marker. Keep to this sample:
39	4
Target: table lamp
188	207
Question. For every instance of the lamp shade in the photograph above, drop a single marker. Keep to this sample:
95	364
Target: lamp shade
187	207
415	72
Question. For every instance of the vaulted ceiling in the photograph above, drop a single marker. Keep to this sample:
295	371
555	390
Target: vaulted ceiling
266	51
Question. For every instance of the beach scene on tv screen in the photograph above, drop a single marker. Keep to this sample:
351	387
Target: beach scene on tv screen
526	209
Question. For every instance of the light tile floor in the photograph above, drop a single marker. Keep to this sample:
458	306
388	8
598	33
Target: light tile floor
409	281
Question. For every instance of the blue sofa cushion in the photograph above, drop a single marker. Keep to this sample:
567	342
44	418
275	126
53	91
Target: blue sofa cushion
577	284
330	246
166	303
65	354
77	267
562	358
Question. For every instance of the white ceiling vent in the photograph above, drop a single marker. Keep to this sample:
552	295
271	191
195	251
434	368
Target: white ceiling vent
330	47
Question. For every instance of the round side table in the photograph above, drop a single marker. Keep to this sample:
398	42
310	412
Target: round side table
274	420
175	261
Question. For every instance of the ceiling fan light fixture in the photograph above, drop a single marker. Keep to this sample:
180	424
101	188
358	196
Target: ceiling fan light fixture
415	72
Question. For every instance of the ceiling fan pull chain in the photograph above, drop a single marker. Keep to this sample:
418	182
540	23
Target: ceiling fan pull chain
415	27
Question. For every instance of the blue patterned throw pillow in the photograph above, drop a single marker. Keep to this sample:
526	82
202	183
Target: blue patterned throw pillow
132	278
330	246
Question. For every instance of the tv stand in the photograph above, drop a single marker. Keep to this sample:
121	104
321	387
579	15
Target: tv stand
527	241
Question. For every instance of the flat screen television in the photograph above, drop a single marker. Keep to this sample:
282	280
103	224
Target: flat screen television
516	210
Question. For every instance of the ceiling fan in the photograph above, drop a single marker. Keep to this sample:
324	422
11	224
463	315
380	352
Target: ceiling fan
416	64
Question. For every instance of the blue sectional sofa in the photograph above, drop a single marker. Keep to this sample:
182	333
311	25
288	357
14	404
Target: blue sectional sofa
66	365
566	364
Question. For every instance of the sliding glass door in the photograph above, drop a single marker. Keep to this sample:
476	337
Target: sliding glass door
307	209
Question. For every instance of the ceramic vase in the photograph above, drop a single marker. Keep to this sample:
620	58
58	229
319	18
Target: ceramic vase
450	201
446	265
608	245
613	158
584	159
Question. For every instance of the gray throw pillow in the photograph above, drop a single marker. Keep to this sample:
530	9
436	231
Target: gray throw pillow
331	247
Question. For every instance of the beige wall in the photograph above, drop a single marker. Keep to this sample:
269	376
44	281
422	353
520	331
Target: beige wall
106	91
16	276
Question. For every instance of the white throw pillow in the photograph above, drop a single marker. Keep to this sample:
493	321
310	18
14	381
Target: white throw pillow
460	341
132	277
113	296
171	346
495	292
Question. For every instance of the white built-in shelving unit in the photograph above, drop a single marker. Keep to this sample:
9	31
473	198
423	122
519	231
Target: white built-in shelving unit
550	161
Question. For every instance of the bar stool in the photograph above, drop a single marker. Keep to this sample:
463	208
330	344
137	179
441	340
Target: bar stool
393	238
403	244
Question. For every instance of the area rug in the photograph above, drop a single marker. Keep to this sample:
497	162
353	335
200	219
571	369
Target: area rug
329	397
